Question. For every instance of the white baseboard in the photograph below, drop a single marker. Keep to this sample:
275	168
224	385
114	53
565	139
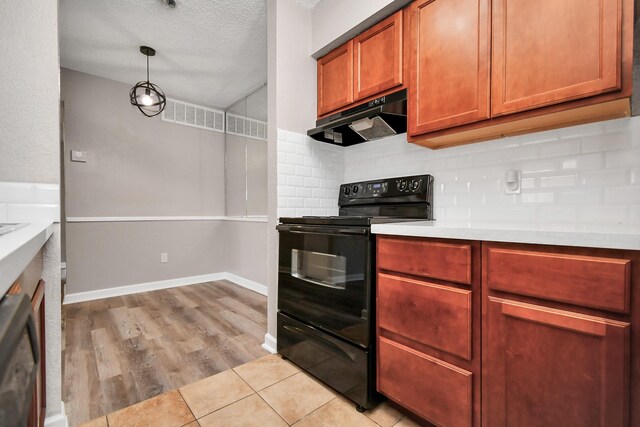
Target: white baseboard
246	283
163	284
270	344
58	420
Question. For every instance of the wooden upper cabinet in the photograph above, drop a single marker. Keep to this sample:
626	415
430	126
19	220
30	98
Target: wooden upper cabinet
548	367
377	60
449	64
335	79
549	51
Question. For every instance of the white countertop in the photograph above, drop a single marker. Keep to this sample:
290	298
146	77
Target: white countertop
617	236
18	248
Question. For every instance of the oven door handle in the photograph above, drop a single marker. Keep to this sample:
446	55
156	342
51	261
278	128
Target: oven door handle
360	231
318	283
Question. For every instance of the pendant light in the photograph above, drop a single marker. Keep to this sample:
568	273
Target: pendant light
146	96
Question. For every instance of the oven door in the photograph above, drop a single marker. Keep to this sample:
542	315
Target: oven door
325	276
19	357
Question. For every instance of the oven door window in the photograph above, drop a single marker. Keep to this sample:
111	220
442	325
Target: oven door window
325	280
319	269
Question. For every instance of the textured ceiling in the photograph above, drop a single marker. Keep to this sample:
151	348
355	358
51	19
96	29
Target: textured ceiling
211	52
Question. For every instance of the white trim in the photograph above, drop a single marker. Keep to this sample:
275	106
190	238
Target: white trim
141	287
257	218
163	284
57	420
270	343
246	283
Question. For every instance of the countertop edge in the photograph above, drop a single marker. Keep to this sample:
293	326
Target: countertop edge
18	248
590	239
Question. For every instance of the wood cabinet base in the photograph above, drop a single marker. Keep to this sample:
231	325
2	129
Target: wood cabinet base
484	131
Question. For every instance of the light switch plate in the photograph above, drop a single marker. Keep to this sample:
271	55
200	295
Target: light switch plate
78	156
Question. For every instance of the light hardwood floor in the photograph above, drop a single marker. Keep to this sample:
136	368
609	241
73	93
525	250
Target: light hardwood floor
122	350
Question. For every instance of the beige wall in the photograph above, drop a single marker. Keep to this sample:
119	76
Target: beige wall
112	254
137	166
246	250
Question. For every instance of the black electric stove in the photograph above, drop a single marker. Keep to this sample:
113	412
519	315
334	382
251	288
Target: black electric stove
326	282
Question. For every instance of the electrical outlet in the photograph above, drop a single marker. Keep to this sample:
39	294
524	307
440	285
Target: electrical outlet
164	257
513	181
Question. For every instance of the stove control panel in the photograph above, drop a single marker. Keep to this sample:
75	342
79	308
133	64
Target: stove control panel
400	189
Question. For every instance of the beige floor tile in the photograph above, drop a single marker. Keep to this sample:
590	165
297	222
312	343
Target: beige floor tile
384	415
98	422
166	410
406	422
296	396
266	371
338	412
193	424
209	394
251	411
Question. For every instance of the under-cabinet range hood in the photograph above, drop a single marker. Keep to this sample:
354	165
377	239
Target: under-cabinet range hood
384	116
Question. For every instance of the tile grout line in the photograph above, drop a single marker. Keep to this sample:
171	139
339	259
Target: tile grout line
273	409
188	407
228	404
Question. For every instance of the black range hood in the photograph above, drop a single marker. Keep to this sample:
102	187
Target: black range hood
381	117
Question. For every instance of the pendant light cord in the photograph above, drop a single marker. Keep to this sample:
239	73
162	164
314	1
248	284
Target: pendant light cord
147	68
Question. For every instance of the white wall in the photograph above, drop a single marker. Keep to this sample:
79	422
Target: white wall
29	153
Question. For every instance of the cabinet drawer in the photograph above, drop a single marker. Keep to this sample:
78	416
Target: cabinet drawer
445	261
435	390
434	315
588	281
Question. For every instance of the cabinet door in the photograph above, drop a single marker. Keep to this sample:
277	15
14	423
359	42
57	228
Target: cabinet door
550	51
449	71
547	367
335	79
377	58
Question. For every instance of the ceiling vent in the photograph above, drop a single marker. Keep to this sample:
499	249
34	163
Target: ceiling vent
244	126
184	113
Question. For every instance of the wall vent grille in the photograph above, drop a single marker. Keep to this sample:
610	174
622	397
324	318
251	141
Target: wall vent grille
184	113
244	126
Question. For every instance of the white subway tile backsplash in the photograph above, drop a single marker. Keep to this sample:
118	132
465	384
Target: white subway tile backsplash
559	181
605	178
616	214
17	212
622	195
309	175
29	202
606	142
585	161
580	173
623	158
561	148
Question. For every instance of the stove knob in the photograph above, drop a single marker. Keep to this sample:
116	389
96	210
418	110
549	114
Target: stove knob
355	189
346	191
415	184
402	185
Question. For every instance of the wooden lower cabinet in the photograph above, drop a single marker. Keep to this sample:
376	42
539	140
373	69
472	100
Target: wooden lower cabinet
38	404
426	385
428	323
548	367
559	330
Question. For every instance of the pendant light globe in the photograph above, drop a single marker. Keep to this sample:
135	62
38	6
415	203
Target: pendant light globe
146	96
